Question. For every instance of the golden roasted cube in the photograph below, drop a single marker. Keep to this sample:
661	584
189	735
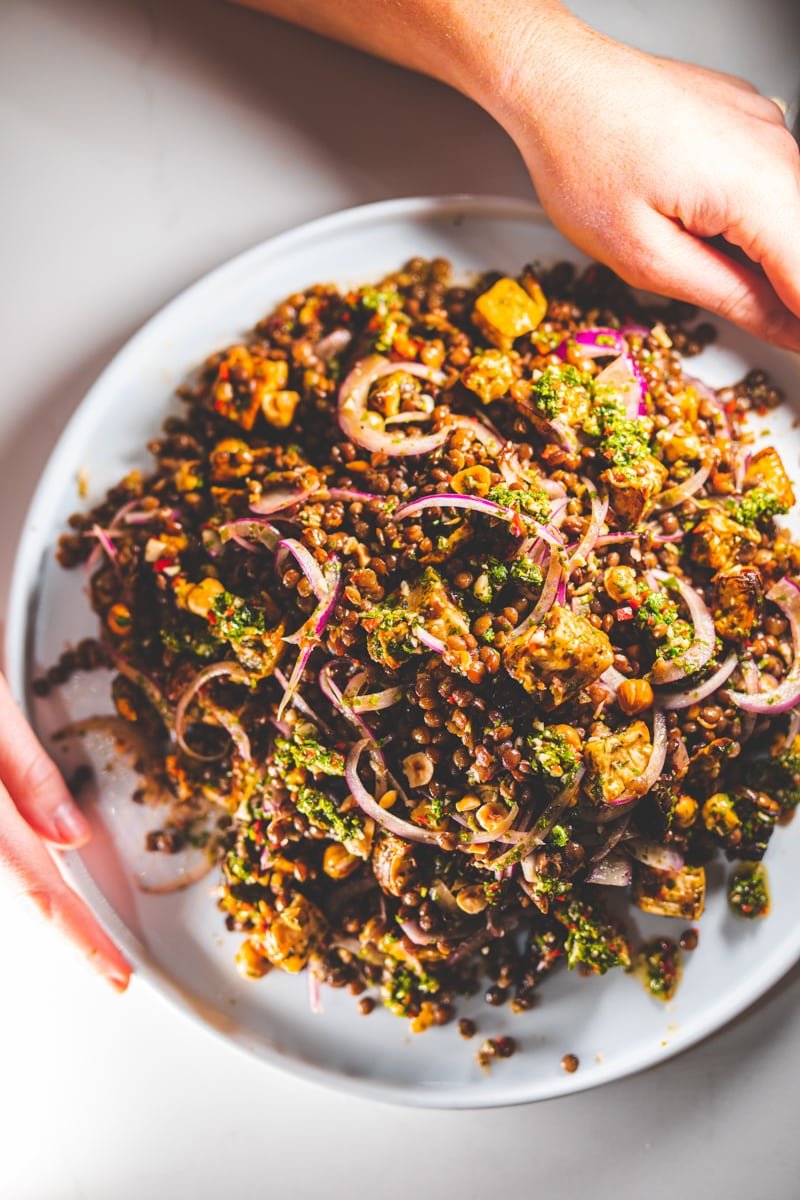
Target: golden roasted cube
505	312
294	935
557	658
615	760
489	375
671	895
766	470
717	541
736	603
633	489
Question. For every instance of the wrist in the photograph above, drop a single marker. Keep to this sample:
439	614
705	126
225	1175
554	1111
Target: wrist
513	61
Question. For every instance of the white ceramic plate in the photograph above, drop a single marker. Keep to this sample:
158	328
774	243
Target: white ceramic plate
178	942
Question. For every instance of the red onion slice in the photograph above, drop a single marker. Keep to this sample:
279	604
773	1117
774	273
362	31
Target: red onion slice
331	690
694	695
353	396
477	504
674	496
652	854
280	499
525	842
786	594
307	564
612	678
628	382
705	635
597	516
243	532
371	808
377	700
232	670
547	596
613	871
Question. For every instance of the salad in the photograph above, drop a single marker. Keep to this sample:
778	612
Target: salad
447	615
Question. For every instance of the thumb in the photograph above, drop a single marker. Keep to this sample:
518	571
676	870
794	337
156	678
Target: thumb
683	267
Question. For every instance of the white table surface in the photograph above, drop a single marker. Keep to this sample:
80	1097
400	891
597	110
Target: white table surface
140	145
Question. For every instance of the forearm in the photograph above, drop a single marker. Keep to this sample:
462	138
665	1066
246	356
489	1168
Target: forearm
480	47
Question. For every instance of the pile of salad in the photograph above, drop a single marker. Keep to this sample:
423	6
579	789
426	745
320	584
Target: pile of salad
447	613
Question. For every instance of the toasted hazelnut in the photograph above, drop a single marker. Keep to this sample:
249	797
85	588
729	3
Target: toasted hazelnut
634	696
338	863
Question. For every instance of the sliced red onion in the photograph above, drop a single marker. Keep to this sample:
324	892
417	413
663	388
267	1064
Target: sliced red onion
147	685
377	700
352	494
244	532
353	396
484	432
331	690
705	635
301	662
497	835
694	695
597	516
612	678
406	418
314	994
234	729
416	934
104	541
613	871
563	435
741	461
476	504
624	374
547	596
320	586
653	854
113	524
332	344
299	702
370	806
643	783
525	842
429	639
280	499
674	496
625	378
786	594
751	678
232	670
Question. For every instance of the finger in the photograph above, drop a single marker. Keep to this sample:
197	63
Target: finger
34	781
26	859
771	234
680	265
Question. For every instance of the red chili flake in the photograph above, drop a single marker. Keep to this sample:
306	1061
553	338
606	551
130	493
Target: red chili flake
624	613
212	620
224	371
161	564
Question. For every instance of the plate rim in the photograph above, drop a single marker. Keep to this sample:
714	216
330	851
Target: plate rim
25	578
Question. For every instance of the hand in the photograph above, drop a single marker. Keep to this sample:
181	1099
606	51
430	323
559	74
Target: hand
637	159
34	805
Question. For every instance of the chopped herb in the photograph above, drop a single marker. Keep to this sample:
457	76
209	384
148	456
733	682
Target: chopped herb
748	891
321	810
533	503
756	506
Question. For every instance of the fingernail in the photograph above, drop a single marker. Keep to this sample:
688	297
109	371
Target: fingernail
118	982
70	824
